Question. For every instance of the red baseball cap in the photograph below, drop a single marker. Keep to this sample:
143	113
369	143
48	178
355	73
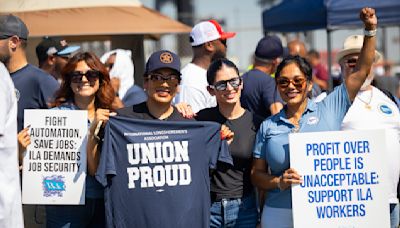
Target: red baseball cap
208	31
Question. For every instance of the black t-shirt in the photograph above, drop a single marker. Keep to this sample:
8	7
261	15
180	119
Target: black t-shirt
229	181
141	111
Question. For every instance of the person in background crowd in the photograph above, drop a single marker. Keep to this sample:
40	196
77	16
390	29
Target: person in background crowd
134	95
209	42
300	114
34	88
86	86
372	109
320	74
232	194
297	47
53	54
259	93
10	191
387	81
120	66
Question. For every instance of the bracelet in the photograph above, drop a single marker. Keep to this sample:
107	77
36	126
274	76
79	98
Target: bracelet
370	33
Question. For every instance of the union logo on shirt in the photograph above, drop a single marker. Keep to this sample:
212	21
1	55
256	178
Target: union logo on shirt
312	120
385	109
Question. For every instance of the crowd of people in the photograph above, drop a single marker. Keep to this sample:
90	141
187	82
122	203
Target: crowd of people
237	126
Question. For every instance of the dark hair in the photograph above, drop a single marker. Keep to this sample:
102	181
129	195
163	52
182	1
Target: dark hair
301	62
104	96
216	65
313	53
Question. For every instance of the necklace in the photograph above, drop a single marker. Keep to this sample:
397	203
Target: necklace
366	104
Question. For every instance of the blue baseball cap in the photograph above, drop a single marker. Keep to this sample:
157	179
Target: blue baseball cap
163	59
269	48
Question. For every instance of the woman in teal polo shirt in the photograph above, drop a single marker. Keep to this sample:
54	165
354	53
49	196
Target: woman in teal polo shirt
300	114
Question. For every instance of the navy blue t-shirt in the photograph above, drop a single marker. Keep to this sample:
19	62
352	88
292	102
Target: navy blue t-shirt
34	88
259	92
156	173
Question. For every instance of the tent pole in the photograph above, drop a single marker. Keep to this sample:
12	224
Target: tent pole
330	82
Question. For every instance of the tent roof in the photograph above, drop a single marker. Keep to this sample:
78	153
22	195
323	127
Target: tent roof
302	15
90	17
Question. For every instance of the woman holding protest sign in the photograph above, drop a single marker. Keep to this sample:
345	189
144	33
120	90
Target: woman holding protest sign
86	86
300	114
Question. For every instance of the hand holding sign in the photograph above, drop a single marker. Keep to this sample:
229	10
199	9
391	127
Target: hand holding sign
289	177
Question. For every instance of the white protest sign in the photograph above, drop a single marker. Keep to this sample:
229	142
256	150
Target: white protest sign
54	165
344	179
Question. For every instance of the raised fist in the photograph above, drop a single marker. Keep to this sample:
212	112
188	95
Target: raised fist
368	17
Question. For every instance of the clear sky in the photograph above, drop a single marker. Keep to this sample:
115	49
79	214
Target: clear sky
244	17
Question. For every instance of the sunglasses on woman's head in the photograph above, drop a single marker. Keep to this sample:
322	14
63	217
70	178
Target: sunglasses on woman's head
223	85
284	82
91	76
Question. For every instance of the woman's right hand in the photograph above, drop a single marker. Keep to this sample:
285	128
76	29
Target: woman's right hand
227	134
289	177
101	116
24	139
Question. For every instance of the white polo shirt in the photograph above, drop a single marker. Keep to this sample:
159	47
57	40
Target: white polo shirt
193	88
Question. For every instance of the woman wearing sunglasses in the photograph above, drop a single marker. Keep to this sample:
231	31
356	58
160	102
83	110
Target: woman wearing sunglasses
300	114
232	194
86	86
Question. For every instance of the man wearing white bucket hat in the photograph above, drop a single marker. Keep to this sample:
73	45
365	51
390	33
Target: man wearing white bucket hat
372	109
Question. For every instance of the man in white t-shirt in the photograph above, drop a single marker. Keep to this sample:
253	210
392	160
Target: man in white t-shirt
208	42
372	109
10	191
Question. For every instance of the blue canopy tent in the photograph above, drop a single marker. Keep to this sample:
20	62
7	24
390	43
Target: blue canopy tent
305	15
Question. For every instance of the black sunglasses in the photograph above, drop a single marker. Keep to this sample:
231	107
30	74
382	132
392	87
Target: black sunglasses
91	76
223	85
284	82
172	78
351	61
